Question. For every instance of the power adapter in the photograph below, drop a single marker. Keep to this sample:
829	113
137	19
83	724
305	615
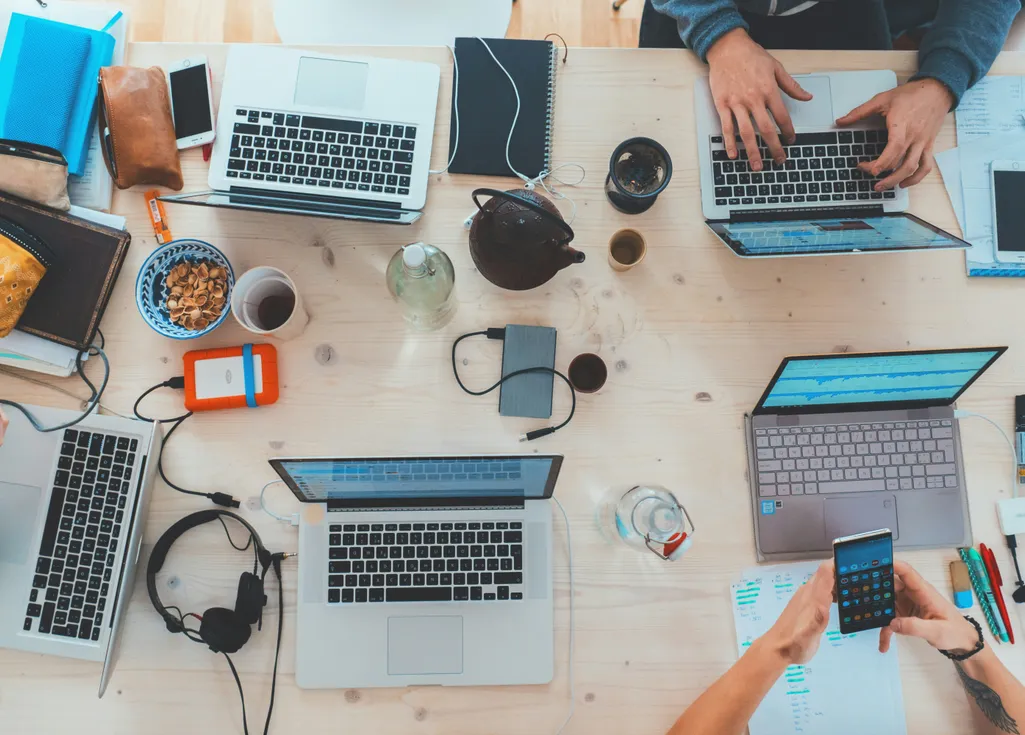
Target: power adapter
1012	516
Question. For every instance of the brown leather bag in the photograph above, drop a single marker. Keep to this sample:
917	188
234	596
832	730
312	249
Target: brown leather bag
140	148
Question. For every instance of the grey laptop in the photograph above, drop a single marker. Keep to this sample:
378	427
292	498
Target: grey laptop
424	570
845	443
72	509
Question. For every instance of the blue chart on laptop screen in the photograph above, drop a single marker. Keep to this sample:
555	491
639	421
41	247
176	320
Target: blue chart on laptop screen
876	378
351	479
831	235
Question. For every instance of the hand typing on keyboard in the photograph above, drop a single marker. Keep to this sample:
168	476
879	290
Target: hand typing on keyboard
745	82
914	114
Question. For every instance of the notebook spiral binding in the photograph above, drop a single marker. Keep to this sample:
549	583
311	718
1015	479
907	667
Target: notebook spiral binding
551	106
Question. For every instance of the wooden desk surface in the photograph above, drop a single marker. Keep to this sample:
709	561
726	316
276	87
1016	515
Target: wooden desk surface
691	337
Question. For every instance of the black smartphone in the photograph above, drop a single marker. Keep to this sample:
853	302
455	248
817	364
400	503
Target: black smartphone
864	580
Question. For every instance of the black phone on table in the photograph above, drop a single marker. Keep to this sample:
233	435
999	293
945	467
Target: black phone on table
865	594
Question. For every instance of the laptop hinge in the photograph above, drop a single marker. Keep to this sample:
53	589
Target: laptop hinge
805	213
427	504
288	197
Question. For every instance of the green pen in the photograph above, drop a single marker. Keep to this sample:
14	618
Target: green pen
987	598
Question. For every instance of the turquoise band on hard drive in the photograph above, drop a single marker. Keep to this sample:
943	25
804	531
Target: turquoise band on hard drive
249	374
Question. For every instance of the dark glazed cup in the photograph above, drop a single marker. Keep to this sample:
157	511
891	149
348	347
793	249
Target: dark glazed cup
588	373
640	168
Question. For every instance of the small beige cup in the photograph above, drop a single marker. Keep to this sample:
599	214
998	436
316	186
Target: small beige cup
626	249
253	289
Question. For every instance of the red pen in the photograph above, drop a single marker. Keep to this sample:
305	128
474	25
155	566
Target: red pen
996	582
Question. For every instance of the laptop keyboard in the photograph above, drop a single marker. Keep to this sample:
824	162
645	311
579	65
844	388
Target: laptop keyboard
425	562
820	167
71	585
904	455
325	152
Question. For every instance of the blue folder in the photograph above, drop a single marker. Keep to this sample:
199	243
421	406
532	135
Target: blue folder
48	84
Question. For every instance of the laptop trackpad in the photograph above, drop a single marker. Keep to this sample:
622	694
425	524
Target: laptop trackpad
425	645
818	112
19	507
858	514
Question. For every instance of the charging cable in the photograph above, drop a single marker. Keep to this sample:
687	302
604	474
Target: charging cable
499	333
293	520
1010	538
223	499
572	622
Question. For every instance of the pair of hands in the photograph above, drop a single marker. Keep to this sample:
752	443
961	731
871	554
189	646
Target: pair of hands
922	612
746	83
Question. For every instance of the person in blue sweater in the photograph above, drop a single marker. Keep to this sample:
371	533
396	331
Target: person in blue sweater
961	40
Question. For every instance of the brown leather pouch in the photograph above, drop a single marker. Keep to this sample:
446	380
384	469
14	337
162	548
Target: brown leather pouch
138	132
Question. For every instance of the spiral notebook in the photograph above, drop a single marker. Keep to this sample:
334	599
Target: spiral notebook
487	106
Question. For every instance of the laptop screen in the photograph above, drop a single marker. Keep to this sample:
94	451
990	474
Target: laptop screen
904	379
832	235
419	478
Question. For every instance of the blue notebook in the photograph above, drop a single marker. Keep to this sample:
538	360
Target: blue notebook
48	84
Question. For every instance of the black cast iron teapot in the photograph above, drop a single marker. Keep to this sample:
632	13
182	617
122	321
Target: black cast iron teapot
519	240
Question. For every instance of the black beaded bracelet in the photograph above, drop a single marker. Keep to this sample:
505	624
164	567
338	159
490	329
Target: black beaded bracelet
978	646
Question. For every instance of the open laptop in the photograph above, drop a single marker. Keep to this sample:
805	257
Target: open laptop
72	509
302	132
424	570
846	443
818	202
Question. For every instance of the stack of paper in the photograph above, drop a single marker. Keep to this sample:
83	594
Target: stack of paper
28	352
94	188
816	697
990	127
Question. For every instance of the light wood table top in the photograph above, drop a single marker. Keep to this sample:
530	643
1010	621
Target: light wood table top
690	336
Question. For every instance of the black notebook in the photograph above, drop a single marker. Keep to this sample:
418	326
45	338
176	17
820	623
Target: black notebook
487	104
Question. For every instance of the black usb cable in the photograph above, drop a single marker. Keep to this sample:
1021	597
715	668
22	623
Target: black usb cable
499	334
223	499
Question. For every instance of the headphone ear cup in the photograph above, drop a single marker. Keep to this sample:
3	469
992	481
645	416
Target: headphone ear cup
223	630
250	600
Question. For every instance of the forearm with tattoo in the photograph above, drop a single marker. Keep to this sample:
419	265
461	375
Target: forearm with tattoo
988	702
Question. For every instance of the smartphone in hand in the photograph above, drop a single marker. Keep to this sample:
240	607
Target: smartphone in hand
864	580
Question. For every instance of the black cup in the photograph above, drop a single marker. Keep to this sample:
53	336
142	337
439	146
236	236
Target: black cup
588	373
640	168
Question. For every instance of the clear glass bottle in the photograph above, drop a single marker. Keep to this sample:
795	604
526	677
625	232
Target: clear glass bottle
422	280
647	518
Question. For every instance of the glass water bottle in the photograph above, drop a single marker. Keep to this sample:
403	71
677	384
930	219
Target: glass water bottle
422	280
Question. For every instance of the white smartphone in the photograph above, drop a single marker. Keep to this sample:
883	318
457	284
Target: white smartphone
192	102
1008	211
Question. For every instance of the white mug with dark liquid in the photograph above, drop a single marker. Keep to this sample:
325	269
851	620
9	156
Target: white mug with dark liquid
266	301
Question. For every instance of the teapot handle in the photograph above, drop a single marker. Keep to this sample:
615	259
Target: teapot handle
558	221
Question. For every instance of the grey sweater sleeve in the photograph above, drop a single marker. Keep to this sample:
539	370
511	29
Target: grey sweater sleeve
963	41
702	22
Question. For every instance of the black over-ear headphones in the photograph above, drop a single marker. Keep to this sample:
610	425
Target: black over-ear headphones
223	630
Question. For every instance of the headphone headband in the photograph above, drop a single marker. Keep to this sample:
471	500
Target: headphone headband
172	534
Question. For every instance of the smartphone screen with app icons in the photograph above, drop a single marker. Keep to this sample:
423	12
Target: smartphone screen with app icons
864	580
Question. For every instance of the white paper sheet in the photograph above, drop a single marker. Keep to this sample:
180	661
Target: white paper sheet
817	697
994	105
94	188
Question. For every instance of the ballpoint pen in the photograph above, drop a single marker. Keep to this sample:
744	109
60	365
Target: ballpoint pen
986	599
996	581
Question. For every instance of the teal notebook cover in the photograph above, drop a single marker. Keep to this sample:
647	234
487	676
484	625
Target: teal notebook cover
48	84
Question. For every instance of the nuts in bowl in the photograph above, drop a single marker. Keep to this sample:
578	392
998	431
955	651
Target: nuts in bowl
197	294
183	290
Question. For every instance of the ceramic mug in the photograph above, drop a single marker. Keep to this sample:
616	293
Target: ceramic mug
265	301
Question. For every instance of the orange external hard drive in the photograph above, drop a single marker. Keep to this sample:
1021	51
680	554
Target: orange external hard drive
232	377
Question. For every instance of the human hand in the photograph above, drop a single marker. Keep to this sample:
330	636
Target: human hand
922	612
797	632
914	114
3	426
745	81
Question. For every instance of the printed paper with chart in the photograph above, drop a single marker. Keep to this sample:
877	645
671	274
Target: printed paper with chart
816	697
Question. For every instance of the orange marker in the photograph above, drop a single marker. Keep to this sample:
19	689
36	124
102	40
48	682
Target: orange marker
157	217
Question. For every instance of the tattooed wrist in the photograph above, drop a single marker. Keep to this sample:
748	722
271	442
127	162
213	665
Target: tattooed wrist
988	702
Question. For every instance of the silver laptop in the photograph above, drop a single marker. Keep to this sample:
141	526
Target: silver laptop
72	509
424	570
302	132
845	443
818	202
